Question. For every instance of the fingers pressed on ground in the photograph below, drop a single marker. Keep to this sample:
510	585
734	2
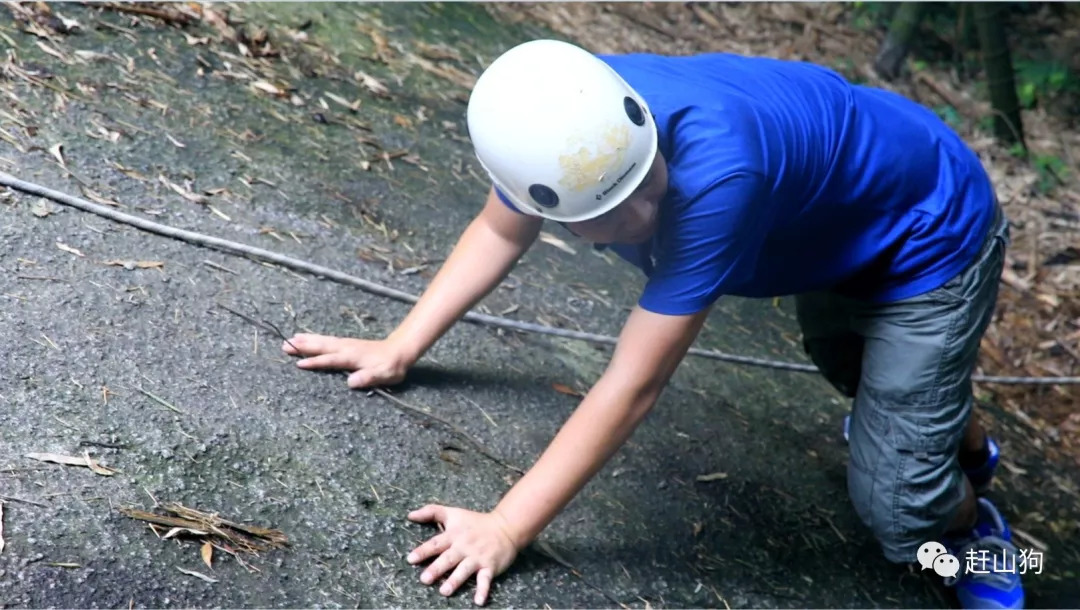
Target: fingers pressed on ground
360	379
429	549
464	570
447	561
428	513
483	585
315	343
324	361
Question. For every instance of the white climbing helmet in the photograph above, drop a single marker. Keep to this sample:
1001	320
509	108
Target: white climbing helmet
559	132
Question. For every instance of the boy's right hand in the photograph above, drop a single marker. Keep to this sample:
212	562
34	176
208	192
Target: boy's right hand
371	363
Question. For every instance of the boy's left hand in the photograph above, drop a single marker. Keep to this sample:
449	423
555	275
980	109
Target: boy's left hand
474	543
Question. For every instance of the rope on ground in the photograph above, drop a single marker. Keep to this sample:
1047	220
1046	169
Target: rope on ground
385	291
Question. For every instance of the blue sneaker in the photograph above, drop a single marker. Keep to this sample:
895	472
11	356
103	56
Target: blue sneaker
989	575
981	477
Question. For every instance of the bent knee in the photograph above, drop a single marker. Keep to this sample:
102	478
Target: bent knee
905	487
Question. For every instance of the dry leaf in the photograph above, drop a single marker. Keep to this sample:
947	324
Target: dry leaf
68	460
354	106
51	51
550	239
450	73
402	121
70	25
105	134
207	554
97	468
372	84
716	476
40	209
64	564
198	575
438	51
565	389
92	56
127	171
56	152
450	455
215	19
183	192
195	41
92	196
176	143
219	213
261	85
67	248
176	531
129	265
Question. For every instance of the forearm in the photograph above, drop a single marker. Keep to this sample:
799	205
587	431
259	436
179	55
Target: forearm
605	419
479	261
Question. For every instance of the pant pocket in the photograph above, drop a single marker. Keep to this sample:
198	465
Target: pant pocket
921	449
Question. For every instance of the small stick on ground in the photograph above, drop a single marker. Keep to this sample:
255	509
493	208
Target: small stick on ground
160	401
843	539
546	550
720	597
401	404
245	537
168	16
214	265
23	500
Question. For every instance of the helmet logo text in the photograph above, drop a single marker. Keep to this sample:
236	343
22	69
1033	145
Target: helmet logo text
618	181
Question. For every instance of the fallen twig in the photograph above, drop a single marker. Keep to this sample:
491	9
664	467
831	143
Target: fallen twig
248	538
168	16
160	401
68	460
548	551
199	575
401	404
23	500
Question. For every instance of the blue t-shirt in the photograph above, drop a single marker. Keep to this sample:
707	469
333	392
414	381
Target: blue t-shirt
785	178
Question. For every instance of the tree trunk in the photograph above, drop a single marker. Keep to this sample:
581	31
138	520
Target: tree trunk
894	48
999	72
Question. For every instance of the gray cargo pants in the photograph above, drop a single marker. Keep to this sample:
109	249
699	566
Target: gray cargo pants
907	364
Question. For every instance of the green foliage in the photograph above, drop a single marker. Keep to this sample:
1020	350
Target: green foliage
1042	81
869	15
1050	168
949	115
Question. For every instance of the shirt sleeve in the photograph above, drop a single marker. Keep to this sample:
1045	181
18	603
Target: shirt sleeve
710	247
505	200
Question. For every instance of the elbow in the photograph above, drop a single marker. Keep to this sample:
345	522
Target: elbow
637	393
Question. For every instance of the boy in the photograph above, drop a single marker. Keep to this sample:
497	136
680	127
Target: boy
718	174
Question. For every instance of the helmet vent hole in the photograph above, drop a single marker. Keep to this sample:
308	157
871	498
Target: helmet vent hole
544	195
633	110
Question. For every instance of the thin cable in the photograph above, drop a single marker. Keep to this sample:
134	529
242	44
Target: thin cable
380	290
